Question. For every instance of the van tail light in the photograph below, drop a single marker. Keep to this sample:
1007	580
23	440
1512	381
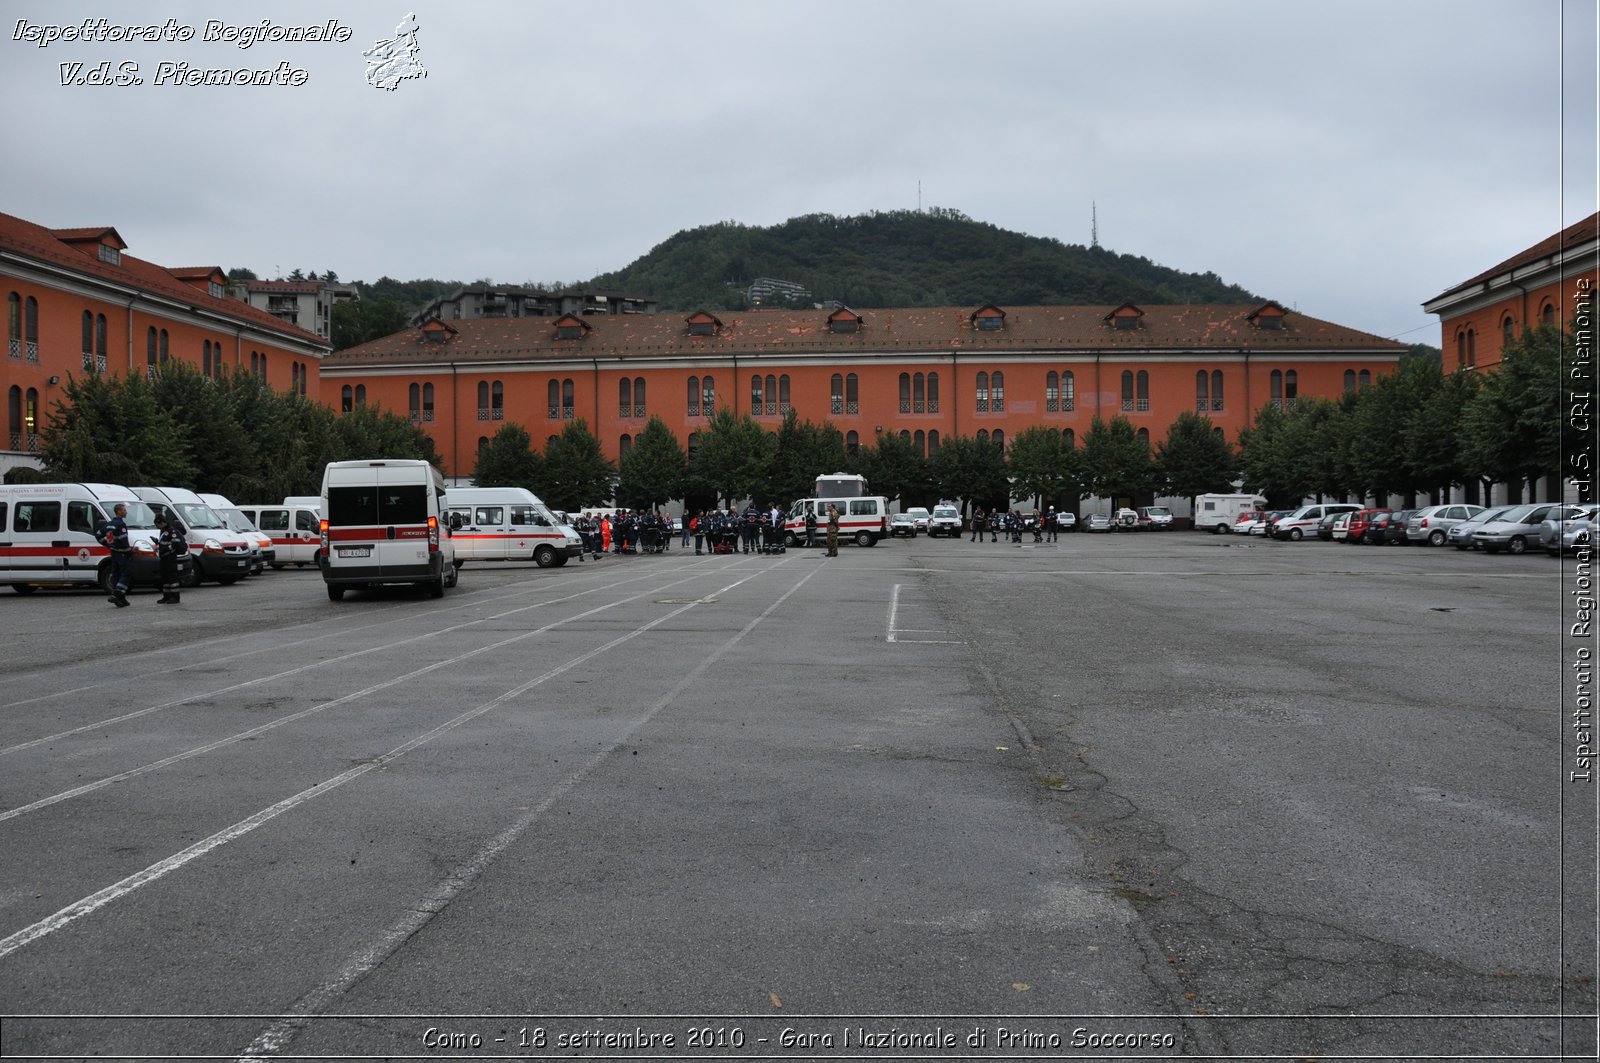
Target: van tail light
322	535
433	535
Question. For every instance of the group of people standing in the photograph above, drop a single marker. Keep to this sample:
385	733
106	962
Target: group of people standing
172	543
627	531
1012	524
716	531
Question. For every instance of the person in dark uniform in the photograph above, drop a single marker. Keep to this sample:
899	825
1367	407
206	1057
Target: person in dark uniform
833	530
115	535
752	525
698	524
977	524
171	544
1050	529
811	524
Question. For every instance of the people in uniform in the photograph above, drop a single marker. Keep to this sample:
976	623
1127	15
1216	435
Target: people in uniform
698	523
811	524
751	527
978	525
833	530
171	544
114	534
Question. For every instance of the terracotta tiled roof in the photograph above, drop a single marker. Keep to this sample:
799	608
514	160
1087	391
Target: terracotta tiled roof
289	287
1576	235
903	330
49	246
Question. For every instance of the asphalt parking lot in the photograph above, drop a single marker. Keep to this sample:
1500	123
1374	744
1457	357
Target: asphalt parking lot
1224	797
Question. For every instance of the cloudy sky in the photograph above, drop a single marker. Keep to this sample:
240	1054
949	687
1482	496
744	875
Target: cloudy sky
1351	159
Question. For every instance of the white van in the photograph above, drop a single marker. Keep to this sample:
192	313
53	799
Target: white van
244	525
1219	513
385	521
47	536
508	524
219	553
1296	525
295	528
864	518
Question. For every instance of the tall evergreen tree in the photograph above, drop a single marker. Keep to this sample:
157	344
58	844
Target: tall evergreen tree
508	460
1116	462
1042	467
651	472
735	456
576	472
1195	458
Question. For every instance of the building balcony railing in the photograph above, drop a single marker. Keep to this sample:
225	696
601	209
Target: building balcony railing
1127	405
14	348
1052	405
836	406
998	405
32	352
94	363
1144	405
1216	404
495	413
25	441
983	405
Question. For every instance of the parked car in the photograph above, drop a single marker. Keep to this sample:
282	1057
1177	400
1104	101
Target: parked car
1360	521
1518	527
1432	524
902	524
1066	521
1341	527
1125	518
1303	521
1097	522
1154	518
1460	534
1325	526
1268	519
920	517
944	520
1557	535
1247	521
1377	532
1394	530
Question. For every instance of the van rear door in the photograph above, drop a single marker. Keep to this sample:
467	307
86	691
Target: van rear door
380	527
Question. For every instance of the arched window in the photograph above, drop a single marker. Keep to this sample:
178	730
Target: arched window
1472	346
1461	350
625	397
552	392
1507	331
1127	391
982	388
483	444
294	378
1547	316
1069	396
1052	392
1069	438
1290	388
694	444
414	401
427	399
694	396
919	394
569	400
852	394
205	358
755	394
783	394
30	326
1144	436
152	350
836	394
1216	389
905	392
772	395
708	395
88	337
1144	391
905	435
624	445
14	416
165	353
933	442
998	439
346	399
1275	386
30	419
638	396
852	442
1349	379
920	441
933	392
361	390
1202	391
1366	377
997	392
14	325
983	435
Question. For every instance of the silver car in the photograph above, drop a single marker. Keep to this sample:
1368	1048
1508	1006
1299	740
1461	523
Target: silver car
1460	535
1432	524
1565	534
1518	527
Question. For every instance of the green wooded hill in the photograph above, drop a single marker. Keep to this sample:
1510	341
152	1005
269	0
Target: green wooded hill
937	257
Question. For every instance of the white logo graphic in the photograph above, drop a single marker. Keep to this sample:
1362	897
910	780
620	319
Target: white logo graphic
393	61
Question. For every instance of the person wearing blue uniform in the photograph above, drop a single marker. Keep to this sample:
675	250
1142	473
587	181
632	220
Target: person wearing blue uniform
115	535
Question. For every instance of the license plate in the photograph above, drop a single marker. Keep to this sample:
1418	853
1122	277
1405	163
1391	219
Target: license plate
355	551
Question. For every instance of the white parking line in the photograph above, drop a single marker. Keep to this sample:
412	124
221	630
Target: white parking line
895	632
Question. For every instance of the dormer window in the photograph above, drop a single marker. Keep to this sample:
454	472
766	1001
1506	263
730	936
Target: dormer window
1268	316
436	331
1125	316
988	319
110	255
702	323
571	327
844	320
214	289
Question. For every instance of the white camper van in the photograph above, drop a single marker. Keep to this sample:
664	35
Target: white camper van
1217	513
508	524
219	553
384	521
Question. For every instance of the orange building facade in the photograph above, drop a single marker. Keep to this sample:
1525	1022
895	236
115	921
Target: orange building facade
926	374
77	303
1479	317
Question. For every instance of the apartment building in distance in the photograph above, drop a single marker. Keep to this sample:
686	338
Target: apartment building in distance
305	304
471	304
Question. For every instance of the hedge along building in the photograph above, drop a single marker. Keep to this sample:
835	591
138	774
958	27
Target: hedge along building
77	303
925	374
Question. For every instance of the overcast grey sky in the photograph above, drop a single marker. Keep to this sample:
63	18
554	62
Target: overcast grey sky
1352	158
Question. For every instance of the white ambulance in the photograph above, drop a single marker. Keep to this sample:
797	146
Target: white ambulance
295	528
385	521
862	518
47	536
241	523
219	553
508	524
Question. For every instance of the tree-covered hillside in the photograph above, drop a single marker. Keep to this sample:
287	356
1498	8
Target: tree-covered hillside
903	258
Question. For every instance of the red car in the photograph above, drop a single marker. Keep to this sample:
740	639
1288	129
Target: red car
1359	523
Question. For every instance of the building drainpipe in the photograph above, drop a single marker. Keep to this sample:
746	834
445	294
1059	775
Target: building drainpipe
596	363
455	423
736	385
131	301
955	392
1248	408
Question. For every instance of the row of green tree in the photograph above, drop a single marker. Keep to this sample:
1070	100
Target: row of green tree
232	435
